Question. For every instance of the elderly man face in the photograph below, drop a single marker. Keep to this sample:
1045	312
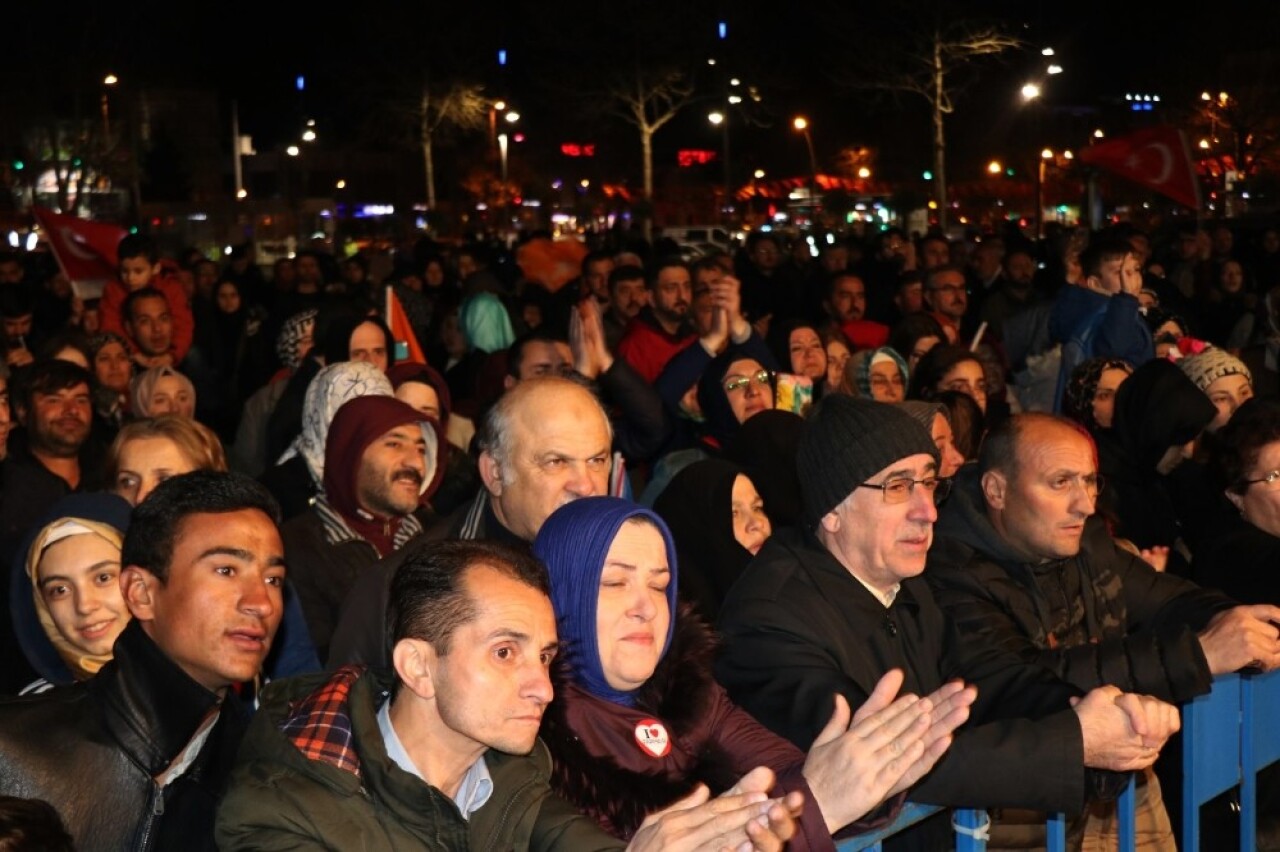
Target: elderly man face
557	449
880	541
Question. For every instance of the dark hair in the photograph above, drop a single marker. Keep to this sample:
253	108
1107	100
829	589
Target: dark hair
428	600
624	273
1103	248
32	825
515	352
48	376
935	364
833	277
911	329
16	302
1000	447
932	275
72	338
154	525
1254	425
594	257
968	423
665	262
148	292
137	245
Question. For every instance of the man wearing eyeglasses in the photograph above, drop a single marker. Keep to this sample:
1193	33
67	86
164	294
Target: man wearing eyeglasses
831	607
1022	562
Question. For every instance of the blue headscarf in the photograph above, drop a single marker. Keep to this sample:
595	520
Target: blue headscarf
573	544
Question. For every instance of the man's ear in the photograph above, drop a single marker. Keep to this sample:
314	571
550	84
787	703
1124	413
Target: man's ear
994	488
1237	500
490	474
830	522
138	585
508	382
414	661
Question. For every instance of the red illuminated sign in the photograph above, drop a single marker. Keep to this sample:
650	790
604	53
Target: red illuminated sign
573	149
694	157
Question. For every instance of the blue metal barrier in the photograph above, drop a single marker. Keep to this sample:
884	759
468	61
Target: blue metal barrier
1211	726
1259	745
1056	825
970	826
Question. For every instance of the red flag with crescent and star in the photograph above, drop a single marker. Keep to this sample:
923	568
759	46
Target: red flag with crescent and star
1159	158
85	250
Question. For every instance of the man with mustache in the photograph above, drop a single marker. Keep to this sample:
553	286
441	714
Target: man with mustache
379	458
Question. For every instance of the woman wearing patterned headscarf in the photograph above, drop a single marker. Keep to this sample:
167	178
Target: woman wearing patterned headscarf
299	473
1090	395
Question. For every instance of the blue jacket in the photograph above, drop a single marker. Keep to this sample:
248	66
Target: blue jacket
1089	324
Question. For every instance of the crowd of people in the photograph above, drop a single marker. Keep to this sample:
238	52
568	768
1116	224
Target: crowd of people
739	553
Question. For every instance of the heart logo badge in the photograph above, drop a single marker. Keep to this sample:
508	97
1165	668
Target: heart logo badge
651	736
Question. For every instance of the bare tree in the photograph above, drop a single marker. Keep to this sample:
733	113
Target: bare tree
455	104
927	57
647	99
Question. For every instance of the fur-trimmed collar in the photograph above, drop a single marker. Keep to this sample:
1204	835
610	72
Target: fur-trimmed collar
680	695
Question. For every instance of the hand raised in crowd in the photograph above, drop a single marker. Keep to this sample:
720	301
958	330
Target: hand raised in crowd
1245	636
859	760
1123	732
742	819
19	357
591	355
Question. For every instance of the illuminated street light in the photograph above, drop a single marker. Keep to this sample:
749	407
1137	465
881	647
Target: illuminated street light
1030	91
758	174
735	82
292	150
242	194
735	99
110	80
1054	69
994	167
341	184
1068	155
715	118
1047	154
512	117
308	135
499	105
1204	144
801	124
1098	134
864	172
1048	51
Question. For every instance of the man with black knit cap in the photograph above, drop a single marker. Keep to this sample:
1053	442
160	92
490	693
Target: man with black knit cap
380	457
830	607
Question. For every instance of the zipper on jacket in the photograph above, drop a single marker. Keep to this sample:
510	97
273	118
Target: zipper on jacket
155	810
506	813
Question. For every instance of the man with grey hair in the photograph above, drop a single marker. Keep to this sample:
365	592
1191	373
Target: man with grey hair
830	607
545	442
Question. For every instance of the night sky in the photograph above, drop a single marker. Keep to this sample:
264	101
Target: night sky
794	52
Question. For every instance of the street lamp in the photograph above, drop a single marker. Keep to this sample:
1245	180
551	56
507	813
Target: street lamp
1030	91
108	82
801	124
994	167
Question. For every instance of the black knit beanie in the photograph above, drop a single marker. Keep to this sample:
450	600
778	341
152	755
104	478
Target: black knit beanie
847	441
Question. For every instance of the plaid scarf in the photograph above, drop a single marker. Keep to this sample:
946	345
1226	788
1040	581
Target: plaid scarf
319	725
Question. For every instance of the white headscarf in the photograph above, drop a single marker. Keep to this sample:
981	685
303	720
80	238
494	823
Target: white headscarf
332	386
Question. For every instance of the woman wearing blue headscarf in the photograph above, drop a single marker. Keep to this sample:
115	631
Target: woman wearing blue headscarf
639	721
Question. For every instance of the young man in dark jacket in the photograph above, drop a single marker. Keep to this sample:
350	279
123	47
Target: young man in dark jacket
443	754
1021	563
138	756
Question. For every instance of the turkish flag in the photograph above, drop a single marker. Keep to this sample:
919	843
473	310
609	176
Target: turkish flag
402	331
85	250
1158	158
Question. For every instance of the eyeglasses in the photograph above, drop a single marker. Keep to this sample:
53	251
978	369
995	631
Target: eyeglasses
738	383
1271	478
900	490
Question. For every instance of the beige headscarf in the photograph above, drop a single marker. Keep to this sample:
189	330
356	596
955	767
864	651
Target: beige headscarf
82	665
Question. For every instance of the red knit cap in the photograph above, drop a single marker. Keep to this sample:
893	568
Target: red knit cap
358	423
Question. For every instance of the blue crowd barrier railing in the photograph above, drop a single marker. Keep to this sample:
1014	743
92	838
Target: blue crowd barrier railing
1259	745
1211	726
1056	826
970	828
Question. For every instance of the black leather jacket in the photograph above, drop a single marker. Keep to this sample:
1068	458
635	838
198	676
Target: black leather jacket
93	750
